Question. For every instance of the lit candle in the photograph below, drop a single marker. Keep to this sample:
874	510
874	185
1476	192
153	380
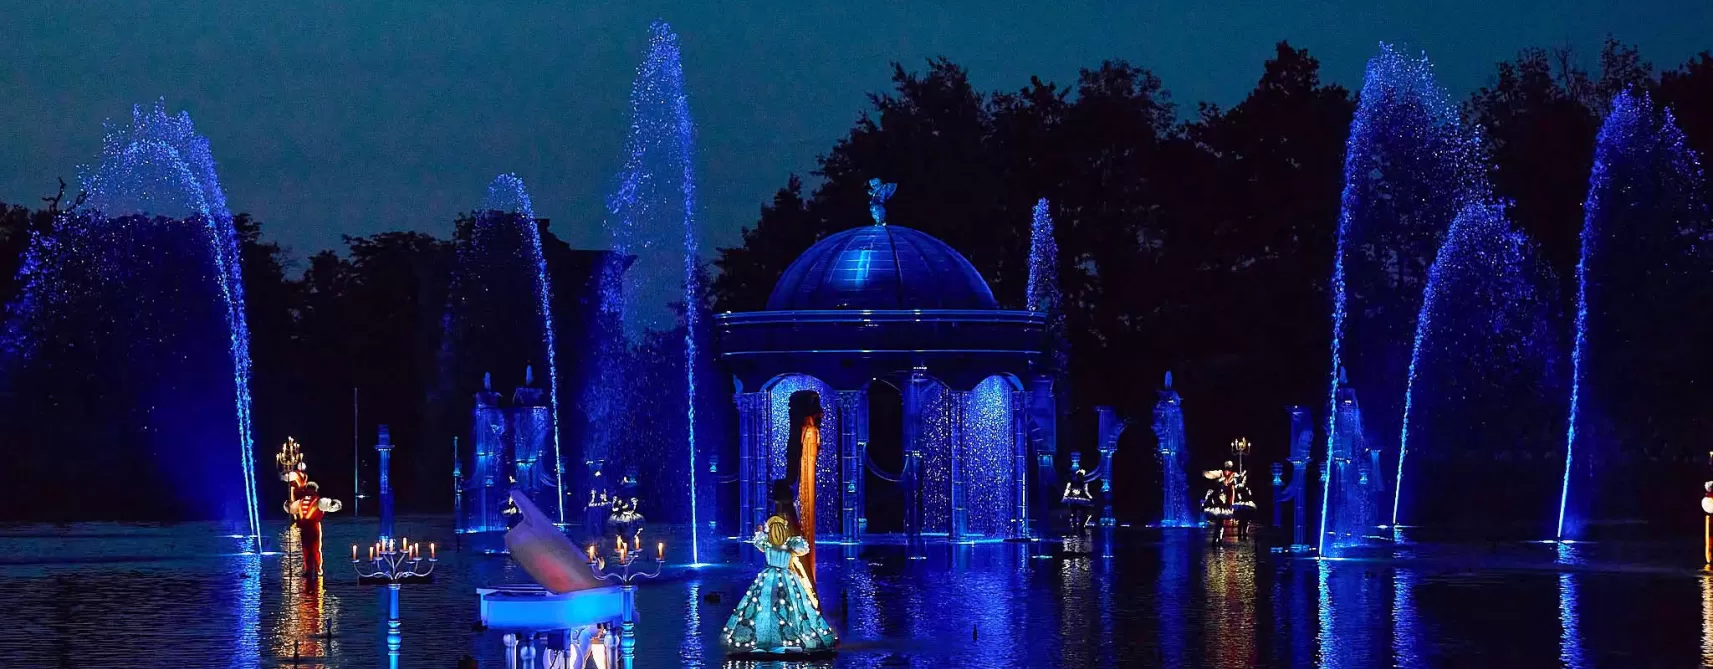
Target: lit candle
353	552
660	549
431	550
591	552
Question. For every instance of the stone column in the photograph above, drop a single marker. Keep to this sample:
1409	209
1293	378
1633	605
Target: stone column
1043	430
384	446
914	436
487	430
1111	427
1302	443
752	463
862	462
850	410
1020	525
959	526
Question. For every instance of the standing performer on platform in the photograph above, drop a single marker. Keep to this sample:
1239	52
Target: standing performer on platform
304	504
779	614
801	453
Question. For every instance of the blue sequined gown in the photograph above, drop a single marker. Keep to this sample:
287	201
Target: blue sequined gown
779	613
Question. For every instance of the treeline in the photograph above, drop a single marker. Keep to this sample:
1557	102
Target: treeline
1200	241
1197	241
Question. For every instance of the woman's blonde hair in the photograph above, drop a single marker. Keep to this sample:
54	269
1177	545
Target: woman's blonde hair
778	530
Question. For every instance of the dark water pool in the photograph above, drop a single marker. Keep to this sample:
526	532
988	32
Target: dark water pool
111	595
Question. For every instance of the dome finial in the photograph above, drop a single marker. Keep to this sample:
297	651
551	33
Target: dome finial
878	194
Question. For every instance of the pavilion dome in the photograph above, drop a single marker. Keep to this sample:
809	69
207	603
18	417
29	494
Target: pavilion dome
880	267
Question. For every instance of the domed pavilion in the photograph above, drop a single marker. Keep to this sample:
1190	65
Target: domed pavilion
888	305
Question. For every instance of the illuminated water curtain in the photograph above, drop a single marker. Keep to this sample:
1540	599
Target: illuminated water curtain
1173	452
304	504
1643	194
1409	167
652	217
154	239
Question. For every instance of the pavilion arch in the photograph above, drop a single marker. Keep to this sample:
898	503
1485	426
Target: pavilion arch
886	307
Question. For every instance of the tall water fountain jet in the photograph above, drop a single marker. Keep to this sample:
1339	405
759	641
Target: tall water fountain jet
500	313
652	218
123	303
1639	260
1174	459
1484	361
1409	167
1044	295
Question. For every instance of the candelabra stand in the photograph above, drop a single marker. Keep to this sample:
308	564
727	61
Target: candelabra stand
620	568
394	562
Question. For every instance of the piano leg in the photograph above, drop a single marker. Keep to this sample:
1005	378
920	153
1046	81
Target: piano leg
511	651
529	652
577	644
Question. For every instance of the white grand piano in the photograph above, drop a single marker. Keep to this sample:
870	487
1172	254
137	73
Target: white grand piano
568	618
576	629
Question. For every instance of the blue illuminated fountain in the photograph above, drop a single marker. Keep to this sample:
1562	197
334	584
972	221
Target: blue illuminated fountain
1409	168
1643	195
1044	294
1486	352
142	290
500	316
652	220
1174	457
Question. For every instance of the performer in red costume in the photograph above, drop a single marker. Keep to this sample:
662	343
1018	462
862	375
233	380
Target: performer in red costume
304	504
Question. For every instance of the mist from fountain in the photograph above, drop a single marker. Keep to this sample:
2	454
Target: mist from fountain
1641	257
1410	166
124	299
1485	357
499	314
652	221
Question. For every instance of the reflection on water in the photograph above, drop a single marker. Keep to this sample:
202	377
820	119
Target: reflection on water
1174	601
1229	625
1406	634
1074	629
106	595
247	629
1706	621
1570	634
302	628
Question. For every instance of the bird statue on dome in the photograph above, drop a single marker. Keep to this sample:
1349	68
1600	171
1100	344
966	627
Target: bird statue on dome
878	194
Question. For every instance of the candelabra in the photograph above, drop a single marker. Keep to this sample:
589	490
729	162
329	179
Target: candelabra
1241	448
619	569
393	562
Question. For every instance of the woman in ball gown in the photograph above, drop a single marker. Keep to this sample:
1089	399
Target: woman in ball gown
779	613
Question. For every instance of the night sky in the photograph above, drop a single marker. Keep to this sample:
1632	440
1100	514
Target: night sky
332	117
